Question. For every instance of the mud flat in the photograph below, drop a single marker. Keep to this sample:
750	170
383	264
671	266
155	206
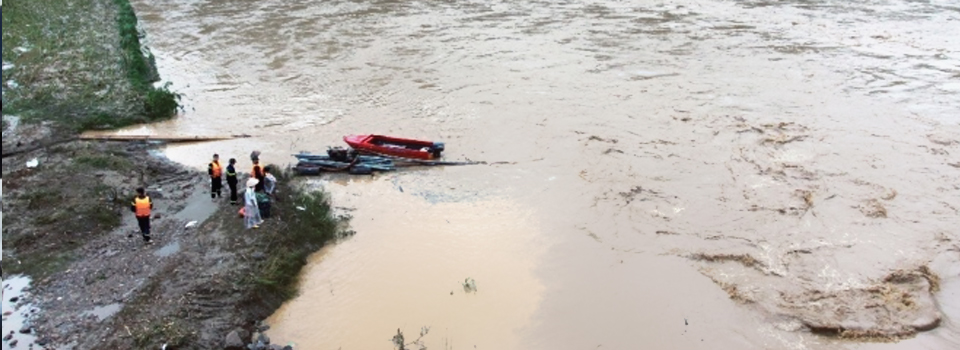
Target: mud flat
96	284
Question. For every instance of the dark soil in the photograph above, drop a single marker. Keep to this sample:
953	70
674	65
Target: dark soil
69	226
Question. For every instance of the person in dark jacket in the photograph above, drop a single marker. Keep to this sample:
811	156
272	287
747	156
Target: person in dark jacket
270	182
232	180
216	177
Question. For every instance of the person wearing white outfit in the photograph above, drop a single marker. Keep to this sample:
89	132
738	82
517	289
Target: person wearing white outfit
251	212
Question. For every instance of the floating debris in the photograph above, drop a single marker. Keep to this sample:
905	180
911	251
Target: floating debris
469	285
340	160
374	153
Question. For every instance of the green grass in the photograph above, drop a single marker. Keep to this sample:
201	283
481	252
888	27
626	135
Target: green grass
96	213
36	266
287	240
302	233
306	233
159	103
104	162
79	64
56	216
42	198
138	72
102	217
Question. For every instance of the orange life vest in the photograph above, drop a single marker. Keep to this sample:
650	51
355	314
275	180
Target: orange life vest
142	206
215	168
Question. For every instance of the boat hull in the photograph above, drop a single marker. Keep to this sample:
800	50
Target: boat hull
395	147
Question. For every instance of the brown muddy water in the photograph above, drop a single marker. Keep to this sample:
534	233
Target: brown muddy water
694	174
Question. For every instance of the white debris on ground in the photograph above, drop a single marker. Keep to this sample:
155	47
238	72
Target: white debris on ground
7	66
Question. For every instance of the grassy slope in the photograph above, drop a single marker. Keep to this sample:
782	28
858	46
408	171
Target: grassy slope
309	225
76	63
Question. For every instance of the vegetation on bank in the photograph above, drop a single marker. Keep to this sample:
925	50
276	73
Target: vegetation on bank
74	66
68	68
62	213
63	63
264	268
307	224
158	103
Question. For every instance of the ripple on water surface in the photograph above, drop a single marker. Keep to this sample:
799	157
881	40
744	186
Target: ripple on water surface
784	143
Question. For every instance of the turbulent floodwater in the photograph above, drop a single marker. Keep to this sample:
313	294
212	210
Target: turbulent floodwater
694	174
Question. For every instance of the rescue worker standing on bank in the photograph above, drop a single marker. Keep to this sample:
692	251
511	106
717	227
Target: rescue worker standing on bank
216	177
141	207
257	173
232	180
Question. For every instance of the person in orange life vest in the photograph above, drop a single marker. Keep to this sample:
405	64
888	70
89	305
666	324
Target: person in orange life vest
216	177
232	180
257	173
141	207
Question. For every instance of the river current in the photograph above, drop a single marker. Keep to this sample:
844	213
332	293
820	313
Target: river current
691	174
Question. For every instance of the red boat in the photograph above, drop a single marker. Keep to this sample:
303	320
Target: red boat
395	146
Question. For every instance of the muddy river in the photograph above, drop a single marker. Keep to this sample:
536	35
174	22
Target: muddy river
690	174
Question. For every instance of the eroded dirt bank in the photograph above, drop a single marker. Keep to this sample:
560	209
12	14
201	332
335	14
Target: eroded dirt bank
766	170
97	285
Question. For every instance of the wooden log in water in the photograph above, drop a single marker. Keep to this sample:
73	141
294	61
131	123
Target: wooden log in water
170	139
123	138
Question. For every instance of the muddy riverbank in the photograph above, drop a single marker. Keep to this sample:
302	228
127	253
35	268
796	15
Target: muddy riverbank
76	273
102	287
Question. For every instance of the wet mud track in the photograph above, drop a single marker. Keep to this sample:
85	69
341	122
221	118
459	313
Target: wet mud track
88	275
